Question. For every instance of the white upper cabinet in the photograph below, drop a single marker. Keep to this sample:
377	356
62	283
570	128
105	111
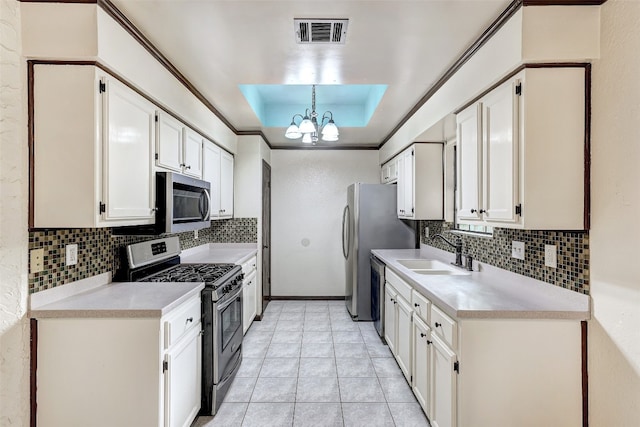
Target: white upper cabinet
169	142
469	167
520	153
211	173
92	150
178	147
128	137
217	169
500	154
389	172
192	153
226	185
420	182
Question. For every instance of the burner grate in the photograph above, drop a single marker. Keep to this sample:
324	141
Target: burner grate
208	273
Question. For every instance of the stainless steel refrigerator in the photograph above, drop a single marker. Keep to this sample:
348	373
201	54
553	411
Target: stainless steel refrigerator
369	221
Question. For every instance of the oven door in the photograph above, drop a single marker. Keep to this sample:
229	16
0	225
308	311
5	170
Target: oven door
228	334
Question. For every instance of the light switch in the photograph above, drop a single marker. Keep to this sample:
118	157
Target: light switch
517	249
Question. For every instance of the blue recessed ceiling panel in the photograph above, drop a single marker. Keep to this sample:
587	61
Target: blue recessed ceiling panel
351	105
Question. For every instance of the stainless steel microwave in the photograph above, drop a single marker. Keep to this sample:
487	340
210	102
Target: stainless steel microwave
183	203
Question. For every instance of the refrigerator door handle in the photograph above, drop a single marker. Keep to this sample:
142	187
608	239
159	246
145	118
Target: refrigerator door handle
346	238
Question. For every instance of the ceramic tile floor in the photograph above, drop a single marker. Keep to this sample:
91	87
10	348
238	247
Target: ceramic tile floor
308	364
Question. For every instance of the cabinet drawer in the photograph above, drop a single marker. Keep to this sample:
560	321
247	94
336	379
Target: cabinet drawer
249	266
400	285
444	327
421	306
181	320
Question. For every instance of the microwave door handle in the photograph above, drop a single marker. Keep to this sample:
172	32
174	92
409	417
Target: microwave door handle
208	216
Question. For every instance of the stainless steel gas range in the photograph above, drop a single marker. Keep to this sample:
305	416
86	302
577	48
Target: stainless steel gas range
159	261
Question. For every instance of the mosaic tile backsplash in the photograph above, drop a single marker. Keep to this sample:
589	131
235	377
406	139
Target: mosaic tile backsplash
572	252
99	249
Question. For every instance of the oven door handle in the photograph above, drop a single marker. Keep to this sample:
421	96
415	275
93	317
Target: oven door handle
231	300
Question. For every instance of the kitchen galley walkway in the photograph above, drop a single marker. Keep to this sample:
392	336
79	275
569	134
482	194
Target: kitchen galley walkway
308	364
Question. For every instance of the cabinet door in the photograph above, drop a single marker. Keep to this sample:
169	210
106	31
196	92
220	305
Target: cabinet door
390	318
248	302
500	154
444	385
169	142
192	154
183	380
408	208
128	135
421	383
226	185
469	169
404	337
400	187
211	174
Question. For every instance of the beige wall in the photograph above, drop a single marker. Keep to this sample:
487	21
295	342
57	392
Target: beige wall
14	332
308	194
614	332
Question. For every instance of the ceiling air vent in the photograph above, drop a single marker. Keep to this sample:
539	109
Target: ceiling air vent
321	30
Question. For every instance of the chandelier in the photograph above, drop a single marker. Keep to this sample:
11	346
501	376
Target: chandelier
308	128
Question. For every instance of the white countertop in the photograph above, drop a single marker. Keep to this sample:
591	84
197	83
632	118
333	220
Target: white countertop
231	253
488	292
123	299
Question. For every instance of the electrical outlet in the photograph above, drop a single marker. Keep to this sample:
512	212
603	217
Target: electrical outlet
37	260
517	249
550	256
71	255
426	232
195	234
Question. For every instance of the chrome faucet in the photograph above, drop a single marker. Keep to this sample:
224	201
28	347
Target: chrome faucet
457	246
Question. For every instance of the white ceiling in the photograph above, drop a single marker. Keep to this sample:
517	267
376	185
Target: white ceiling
406	45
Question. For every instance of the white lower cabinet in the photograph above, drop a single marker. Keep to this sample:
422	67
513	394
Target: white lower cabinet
390	296
249	293
182	382
484	372
404	338
421	384
444	383
249	301
105	372
398	330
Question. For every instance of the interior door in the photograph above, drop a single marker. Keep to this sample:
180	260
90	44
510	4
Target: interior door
266	234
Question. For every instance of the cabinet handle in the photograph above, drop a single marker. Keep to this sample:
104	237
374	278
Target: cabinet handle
422	335
187	167
429	342
189	319
473	211
482	211
415	304
438	324
182	165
